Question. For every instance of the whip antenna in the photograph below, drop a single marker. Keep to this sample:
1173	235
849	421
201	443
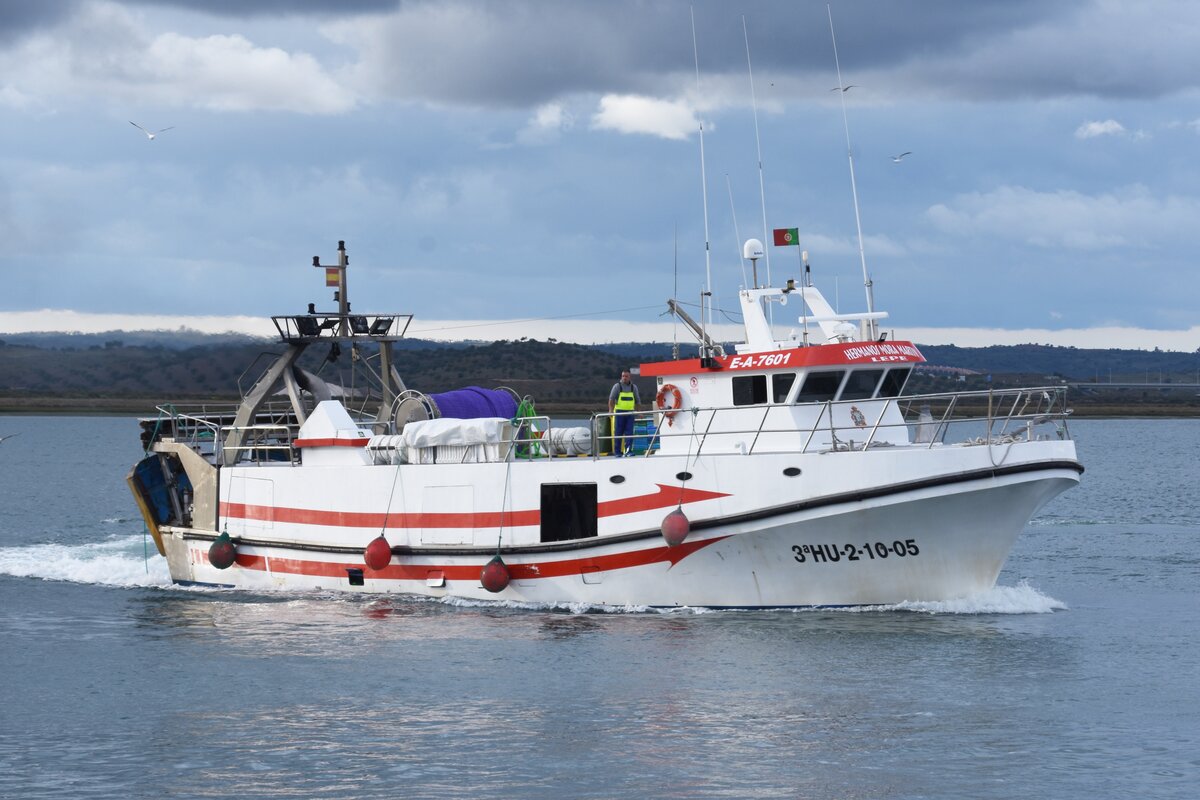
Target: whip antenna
737	237
841	90
675	294
703	177
762	191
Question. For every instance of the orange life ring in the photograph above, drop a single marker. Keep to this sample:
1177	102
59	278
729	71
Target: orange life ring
671	408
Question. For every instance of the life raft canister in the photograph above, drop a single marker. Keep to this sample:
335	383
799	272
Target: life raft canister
669	401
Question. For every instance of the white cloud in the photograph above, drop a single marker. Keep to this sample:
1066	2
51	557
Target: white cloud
670	119
107	52
547	122
552	115
1090	130
1115	337
1069	219
11	97
65	321
594	331
229	73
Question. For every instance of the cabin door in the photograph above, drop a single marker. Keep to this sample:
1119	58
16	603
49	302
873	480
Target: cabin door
568	511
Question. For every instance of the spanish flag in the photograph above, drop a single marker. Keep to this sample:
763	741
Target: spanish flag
331	276
787	236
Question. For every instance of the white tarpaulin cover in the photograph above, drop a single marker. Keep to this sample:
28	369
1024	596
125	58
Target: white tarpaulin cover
458	432
568	441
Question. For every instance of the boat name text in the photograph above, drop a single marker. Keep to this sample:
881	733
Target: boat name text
883	351
760	360
828	553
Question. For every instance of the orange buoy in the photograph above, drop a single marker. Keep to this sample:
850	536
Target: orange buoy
495	575
223	552
378	554
675	527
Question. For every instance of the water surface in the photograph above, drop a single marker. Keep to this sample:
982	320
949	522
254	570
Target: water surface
1078	676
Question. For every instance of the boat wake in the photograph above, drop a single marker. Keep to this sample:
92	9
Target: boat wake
117	561
1019	599
130	561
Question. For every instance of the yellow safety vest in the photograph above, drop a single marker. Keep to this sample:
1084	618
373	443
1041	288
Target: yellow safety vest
625	402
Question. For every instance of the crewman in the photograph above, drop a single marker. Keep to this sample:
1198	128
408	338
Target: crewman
623	400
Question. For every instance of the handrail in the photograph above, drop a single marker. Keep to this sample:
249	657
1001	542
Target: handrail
283	440
1006	415
1007	407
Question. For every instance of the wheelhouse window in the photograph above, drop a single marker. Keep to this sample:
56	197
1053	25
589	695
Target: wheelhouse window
893	382
781	384
749	390
861	384
819	386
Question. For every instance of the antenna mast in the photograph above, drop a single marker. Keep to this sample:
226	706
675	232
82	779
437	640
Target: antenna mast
674	294
762	191
737	236
872	325
703	176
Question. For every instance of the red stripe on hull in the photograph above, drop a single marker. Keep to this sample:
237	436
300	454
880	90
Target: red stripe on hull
470	572
665	497
331	442
818	355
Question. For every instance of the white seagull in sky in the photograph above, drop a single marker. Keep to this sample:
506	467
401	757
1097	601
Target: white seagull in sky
899	158
149	135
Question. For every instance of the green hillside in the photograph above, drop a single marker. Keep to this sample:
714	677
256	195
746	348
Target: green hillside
106	373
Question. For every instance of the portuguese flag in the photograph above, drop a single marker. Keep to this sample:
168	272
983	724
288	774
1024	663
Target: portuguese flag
331	276
787	236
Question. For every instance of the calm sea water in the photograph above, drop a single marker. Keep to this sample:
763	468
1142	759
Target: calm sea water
1077	677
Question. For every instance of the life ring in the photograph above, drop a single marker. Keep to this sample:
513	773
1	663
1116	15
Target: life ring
669	401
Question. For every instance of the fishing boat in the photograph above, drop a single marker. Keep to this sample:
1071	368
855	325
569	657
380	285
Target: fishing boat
784	472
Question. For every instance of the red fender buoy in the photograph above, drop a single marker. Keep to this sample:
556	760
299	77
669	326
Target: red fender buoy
378	554
223	552
495	575
675	527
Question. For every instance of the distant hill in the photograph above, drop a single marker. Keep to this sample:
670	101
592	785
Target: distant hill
172	340
178	366
556	373
1069	362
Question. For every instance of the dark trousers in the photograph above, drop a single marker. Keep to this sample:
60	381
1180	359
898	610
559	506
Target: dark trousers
622	433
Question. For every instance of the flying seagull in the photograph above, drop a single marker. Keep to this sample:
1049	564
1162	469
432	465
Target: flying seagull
149	135
899	158
9	436
843	89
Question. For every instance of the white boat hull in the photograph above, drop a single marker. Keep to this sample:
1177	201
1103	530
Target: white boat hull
767	540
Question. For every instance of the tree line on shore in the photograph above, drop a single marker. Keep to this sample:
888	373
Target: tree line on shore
557	374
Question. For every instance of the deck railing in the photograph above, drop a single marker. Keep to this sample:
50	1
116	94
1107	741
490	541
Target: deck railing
1002	416
204	428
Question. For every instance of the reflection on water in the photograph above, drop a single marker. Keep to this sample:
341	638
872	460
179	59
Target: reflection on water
133	691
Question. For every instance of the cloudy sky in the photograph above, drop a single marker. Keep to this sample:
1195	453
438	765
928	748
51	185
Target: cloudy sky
540	159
